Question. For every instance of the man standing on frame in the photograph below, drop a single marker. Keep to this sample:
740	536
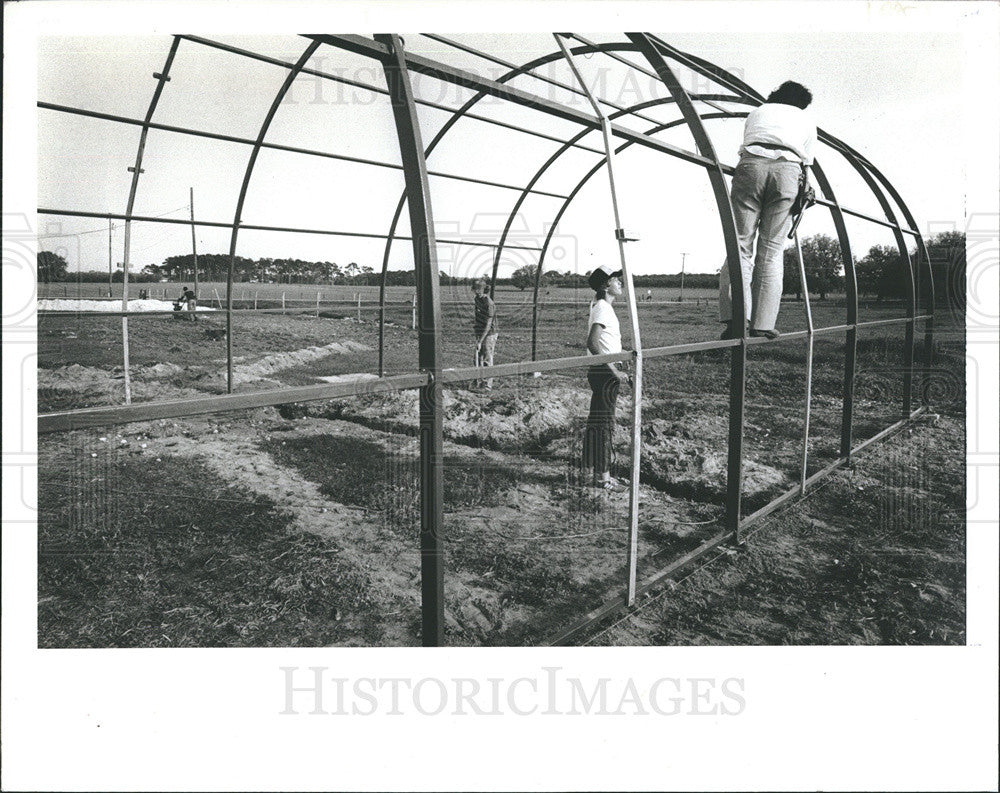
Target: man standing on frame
775	158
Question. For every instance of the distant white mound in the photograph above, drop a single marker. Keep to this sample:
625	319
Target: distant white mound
64	304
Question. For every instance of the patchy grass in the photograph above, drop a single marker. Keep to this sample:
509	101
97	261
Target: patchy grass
195	570
365	474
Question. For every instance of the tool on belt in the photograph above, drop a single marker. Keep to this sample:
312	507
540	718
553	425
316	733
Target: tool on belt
806	198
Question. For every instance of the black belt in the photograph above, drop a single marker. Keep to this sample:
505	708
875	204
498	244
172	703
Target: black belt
777	146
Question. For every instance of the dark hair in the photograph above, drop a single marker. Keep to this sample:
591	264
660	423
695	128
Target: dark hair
790	93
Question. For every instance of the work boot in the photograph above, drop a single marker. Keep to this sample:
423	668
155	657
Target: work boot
767	334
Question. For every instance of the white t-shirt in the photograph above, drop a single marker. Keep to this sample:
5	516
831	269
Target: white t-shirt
785	125
610	337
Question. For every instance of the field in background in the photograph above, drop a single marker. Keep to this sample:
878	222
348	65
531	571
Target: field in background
246	293
298	525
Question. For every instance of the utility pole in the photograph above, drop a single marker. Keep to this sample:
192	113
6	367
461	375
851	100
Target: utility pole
681	298
194	248
110	269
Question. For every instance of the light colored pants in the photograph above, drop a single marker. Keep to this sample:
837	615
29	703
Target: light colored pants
484	355
762	195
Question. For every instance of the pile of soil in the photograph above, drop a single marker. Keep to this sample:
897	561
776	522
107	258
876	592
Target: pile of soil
248	372
689	458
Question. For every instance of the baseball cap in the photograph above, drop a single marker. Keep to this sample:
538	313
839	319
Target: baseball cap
600	276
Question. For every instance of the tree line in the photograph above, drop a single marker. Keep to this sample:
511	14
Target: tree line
881	273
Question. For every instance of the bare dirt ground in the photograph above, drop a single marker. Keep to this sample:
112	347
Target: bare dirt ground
298	525
875	555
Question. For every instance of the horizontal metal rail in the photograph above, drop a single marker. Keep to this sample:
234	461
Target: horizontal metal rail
126	414
374	89
280	147
181	408
728	169
869	218
254	227
773	505
616	604
466	79
529	367
634	111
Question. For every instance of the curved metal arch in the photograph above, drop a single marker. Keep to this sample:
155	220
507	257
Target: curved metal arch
909	283
555	221
635	110
843	240
286	84
463	110
562	150
859	163
161	78
737	379
432	549
922	256
735	84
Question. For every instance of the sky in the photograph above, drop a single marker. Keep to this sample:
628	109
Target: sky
895	95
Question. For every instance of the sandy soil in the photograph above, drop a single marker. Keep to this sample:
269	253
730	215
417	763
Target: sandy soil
524	559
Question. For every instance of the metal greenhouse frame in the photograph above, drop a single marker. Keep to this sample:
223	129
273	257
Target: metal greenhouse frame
648	55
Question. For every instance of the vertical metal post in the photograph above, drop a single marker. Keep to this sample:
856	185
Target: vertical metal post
738	361
125	350
111	270
636	441
429	306
194	245
809	362
908	342
851	301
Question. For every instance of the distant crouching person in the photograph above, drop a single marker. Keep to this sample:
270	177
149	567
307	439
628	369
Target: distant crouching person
189	298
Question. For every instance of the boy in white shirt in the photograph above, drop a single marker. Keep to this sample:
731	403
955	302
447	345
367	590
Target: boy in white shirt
605	380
